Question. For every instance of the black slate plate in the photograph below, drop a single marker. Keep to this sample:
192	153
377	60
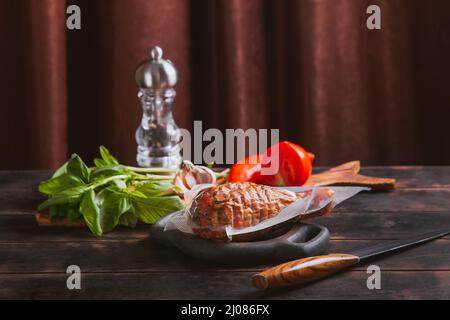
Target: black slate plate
293	242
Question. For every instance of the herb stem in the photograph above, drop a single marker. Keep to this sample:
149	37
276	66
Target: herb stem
222	173
109	179
151	170
153	177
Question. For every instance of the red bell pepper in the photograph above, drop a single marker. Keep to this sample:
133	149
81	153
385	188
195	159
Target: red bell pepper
294	166
246	169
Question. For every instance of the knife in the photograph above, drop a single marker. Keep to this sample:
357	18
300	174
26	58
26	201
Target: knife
314	268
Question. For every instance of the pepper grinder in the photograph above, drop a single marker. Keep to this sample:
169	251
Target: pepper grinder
158	137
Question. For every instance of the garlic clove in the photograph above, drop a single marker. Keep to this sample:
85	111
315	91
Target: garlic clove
190	180
206	176
191	175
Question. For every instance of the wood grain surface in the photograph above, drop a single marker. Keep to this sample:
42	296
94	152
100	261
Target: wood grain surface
127	264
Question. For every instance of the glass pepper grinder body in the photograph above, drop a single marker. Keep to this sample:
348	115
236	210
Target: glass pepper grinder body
158	136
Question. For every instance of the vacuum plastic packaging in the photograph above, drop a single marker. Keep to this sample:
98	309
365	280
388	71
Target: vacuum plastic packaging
246	211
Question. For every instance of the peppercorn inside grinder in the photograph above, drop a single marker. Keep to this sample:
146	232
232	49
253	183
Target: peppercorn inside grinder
158	137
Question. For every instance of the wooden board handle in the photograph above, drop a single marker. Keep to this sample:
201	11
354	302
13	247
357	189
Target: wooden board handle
303	270
347	174
43	220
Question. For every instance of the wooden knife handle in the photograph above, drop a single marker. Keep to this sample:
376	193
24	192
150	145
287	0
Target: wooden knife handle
303	270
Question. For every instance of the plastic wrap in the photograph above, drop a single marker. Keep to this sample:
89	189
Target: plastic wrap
310	201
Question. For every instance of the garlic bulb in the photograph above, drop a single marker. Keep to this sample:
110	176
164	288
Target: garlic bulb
190	175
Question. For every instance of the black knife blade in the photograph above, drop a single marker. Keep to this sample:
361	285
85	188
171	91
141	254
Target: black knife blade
396	245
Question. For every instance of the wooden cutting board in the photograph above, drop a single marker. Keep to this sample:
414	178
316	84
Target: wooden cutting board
347	174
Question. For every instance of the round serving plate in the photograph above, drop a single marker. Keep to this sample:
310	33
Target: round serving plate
295	241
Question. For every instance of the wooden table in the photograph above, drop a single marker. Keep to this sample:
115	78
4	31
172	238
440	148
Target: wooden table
127	264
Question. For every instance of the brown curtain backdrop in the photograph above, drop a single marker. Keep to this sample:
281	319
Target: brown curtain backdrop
308	67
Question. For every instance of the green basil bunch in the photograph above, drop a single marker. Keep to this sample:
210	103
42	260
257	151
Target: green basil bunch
109	194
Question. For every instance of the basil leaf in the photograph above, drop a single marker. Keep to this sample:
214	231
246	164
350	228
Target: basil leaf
154	188
112	206
124	205
128	219
73	214
137	194
61	170
59	183
107	157
109	170
67	197
99	162
77	167
120	184
152	209
127	191
91	212
112	213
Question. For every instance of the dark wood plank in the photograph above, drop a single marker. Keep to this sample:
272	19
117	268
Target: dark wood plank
23	228
113	256
144	256
413	176
342	225
224	285
410	176
22	179
382	225
19	189
398	201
